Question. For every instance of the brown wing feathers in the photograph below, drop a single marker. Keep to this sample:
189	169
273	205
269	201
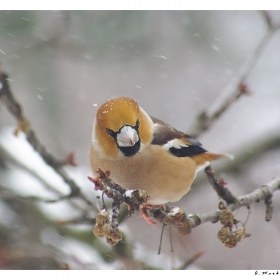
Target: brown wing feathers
163	133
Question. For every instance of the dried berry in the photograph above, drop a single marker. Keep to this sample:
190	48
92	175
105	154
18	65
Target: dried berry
99	231
226	218
224	234
102	217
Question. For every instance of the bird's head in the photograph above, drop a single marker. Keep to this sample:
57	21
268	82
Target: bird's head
122	126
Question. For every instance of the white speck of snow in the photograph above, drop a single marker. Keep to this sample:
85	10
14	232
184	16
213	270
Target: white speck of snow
164	57
129	193
216	48
41	89
137	86
2	52
40	97
94	104
25	19
1	85
190	216
174	211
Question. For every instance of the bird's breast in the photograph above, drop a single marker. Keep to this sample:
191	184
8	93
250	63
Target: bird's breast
164	176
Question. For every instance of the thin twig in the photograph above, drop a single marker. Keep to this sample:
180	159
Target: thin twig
233	91
16	110
269	208
242	201
219	186
75	221
170	239
253	153
160	240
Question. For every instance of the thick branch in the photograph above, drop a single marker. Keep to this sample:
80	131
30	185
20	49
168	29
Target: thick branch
16	110
174	215
256	196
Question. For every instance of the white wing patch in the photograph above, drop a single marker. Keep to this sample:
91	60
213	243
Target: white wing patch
174	143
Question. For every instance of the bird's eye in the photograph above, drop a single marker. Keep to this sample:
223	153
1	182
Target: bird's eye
110	131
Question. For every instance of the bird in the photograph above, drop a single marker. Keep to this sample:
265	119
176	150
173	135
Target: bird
143	152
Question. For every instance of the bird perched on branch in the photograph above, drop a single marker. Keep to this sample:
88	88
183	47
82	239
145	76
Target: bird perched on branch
142	152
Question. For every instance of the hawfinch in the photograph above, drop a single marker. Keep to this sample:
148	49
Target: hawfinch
142	152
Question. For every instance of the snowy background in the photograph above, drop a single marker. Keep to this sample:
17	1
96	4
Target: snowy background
63	64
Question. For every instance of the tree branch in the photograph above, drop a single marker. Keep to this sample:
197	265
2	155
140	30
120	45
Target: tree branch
219	187
233	91
175	215
24	125
254	197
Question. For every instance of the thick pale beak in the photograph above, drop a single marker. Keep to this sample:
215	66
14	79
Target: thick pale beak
127	137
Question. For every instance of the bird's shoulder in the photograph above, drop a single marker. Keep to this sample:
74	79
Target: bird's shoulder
176	142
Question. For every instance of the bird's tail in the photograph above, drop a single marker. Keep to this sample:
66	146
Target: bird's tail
203	160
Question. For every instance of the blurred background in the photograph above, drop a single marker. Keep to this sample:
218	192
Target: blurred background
63	65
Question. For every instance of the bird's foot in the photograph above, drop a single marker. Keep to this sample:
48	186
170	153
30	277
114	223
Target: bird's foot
144	208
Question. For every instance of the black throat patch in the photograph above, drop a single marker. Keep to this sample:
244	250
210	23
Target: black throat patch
130	151
127	151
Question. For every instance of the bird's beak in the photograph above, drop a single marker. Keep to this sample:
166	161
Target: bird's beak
127	137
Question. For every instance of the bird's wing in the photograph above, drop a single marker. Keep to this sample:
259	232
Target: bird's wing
174	141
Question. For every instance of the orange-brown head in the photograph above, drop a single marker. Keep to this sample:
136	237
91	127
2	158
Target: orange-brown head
121	125
115	113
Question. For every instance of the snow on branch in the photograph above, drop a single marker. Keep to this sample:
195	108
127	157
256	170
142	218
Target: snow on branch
24	125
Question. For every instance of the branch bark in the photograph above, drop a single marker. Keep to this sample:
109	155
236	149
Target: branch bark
24	125
233	91
175	215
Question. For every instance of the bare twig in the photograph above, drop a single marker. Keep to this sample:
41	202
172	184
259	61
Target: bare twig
133	198
232	92
16	110
80	220
6	195
256	196
219	186
269	208
253	153
160	240
268	19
